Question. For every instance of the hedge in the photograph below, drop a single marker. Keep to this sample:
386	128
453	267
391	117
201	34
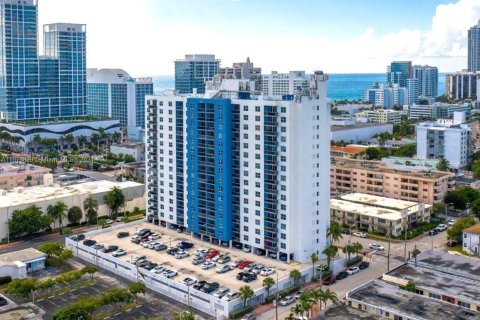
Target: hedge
282	293
5	280
419	230
240	312
353	261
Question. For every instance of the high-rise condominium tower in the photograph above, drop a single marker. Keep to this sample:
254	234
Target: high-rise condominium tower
474	48
193	71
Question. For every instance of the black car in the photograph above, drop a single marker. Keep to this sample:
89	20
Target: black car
144	233
110	249
342	275
122	234
249	277
240	275
78	237
363	265
346	231
210	287
172	251
3	302
199	285
149	266
433	232
89	242
184	245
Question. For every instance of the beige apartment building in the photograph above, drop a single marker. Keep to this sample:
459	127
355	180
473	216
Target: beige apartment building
20	174
376	178
382	116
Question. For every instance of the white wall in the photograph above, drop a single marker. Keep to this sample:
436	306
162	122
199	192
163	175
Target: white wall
471	242
360	134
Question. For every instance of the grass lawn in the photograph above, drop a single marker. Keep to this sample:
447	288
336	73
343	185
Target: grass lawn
460	250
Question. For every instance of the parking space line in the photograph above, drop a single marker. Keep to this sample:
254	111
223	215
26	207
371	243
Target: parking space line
117	314
138	306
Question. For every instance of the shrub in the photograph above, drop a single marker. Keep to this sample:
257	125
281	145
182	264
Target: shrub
240	312
5	280
353	261
282	293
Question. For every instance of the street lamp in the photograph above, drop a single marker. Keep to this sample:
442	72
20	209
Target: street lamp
276	300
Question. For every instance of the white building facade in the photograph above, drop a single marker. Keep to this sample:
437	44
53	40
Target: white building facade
471	240
235	168
278	84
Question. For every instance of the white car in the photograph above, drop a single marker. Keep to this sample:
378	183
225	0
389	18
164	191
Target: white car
441	227
147	243
208	265
218	256
376	246
359	234
235	263
258	268
223	269
451	222
230	296
159	269
247	249
154	236
181	255
189	281
202	252
135	258
220	293
119	252
152	244
169	273
352	270
267	271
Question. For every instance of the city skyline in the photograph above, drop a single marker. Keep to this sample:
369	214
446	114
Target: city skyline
316	35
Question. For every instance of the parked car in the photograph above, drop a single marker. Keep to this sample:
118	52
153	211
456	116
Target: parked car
189	281
122	234
210	287
181	255
148	243
247	249
250	267
160	247
363	265
245	263
154	236
202	252
298	294
451	222
258	268
184	245
441	227
3	302
249	316
109	221
249	277
329	280
341	275
272	255
136	239
109	249
159	269
220	293
144	232
267	271
223	269
89	242
208	265
259	252
346	231
135	258
149	266
433	232
359	234
240	275
235	263
172	251
198	260
224	259
119	252
353	270
230	296
211	253
376	246
78	237
152	244
217	257
452	243
199	285
97	246
285	301
169	273
142	263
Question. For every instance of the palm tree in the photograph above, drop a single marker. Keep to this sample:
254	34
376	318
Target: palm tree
268	282
330	251
291	316
90	206
295	275
415	253
334	232
348	249
306	300
297	309
246	293
52	212
82	140
115	199
327	295
314	259
62	212
357	246
69	138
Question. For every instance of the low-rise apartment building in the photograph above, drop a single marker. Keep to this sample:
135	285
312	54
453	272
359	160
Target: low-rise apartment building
376	178
471	239
20	174
378	214
347	152
382	116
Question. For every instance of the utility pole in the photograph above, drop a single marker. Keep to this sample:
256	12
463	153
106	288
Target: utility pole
388	254
276	301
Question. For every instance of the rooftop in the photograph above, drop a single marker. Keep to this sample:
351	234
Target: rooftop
343	312
380	167
32	195
351	150
378	201
135	165
358	125
410	305
24	255
473	229
129	145
365	210
12	168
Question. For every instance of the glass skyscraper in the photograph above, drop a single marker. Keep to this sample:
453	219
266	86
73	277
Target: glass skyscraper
474	48
33	87
398	72
193	71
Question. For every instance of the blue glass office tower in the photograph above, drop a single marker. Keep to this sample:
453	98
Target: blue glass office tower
398	72
193	71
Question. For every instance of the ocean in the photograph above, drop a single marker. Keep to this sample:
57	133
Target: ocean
340	86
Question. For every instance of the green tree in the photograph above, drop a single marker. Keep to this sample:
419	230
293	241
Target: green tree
406	150
82	309
22	287
410	286
67	232
443	165
65	255
314	259
90	206
185	315
75	214
91	270
330	252
128	158
51	249
475	206
373	153
327	295
415	253
456	231
295	275
334	232
114	199
348	250
458	199
52	212
245	293
61	209
357	247
268	282
28	221
46	285
136	288
103	223
115	297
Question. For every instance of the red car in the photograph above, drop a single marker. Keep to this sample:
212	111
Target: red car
329	280
244	264
452	243
211	253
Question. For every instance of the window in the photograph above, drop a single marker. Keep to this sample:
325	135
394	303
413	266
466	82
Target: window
434	296
257	241
463	304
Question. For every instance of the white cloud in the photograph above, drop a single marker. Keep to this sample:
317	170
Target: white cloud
127	34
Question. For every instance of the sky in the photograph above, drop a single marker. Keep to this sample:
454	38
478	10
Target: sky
144	37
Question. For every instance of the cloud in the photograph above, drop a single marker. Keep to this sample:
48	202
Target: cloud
131	35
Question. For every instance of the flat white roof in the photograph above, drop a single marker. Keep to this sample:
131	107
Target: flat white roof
378	201
32	195
24	255
365	210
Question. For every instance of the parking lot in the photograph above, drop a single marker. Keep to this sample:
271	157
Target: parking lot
184	266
